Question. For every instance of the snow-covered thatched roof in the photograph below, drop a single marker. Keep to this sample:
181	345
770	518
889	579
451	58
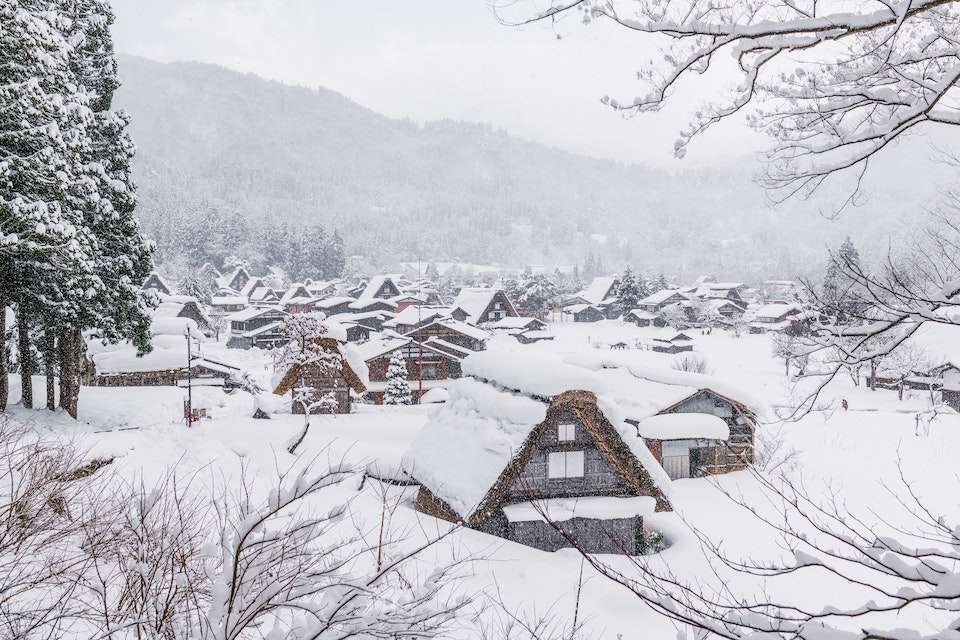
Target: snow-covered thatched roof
599	289
660	297
466	456
635	380
474	301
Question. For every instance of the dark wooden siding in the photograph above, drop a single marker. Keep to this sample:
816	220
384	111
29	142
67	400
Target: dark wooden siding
616	535
598	479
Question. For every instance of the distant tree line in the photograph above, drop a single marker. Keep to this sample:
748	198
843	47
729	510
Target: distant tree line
207	234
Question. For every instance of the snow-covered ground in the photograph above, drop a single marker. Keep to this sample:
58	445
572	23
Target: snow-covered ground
854	454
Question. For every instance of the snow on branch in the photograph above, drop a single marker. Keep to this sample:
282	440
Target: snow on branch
833	83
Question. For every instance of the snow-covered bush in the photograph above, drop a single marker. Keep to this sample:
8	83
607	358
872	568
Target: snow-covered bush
85	555
398	389
691	364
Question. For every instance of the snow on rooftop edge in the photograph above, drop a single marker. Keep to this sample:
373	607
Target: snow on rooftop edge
679	426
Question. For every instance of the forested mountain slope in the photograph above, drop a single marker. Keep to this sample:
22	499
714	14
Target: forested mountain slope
209	137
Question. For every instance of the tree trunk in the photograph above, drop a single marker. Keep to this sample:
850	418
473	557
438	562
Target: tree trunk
26	358
4	382
292	449
786	362
873	374
69	356
70	369
49	360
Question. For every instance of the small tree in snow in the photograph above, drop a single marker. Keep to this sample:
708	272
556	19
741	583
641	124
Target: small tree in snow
309	352
536	292
629	292
398	390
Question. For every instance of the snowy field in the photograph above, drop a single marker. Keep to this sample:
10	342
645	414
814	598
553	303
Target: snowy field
851	454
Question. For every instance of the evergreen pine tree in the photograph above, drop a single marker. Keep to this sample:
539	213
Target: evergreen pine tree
628	292
536	294
336	258
398	389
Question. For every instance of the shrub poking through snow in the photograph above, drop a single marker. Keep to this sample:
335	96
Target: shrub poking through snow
692	364
398	390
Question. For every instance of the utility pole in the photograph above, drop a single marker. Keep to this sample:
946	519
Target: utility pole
189	379
419	322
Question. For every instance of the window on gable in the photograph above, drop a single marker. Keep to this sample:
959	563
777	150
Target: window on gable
566	432
565	464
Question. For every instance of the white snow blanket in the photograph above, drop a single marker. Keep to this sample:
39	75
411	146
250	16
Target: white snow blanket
641	389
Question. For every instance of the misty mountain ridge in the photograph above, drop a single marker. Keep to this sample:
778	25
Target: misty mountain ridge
395	190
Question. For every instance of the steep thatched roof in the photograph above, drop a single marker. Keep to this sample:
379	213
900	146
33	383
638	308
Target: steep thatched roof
634	466
290	377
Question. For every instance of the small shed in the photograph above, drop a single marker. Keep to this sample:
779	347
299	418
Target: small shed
584	313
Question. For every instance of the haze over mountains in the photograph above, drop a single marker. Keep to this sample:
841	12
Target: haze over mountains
395	189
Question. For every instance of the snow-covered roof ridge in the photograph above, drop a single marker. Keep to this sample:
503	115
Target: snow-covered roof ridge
640	387
660	296
598	289
474	301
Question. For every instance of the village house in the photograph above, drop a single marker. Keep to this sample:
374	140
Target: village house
235	280
676	343
320	288
482	305
372	321
777	316
723	308
368	305
411	318
423	360
178	306
600	289
563	456
722	291
224	303
657	302
155	282
448	330
332	306
525	330
255	327
349	375
584	312
378	287
561	462
297	299
516	324
122	365
643	318
701	435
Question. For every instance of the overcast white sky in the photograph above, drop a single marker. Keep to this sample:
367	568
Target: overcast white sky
431	59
